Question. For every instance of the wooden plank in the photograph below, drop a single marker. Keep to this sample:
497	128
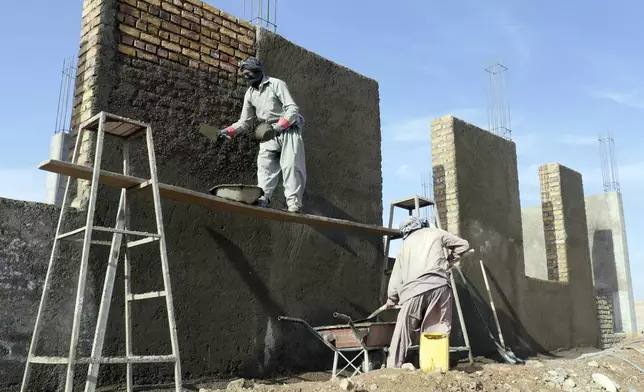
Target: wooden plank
198	198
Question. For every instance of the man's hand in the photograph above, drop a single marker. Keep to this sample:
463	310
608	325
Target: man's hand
390	304
224	133
278	128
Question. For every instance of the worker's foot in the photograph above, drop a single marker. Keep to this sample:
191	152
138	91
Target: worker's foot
295	209
262	202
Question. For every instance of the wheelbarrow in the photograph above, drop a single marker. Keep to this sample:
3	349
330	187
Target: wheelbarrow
355	339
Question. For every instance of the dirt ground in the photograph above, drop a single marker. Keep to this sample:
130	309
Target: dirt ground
566	371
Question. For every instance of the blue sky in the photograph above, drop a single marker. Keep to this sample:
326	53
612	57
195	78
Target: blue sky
573	71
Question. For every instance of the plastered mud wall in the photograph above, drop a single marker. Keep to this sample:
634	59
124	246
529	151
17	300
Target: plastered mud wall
26	235
609	254
477	192
231	275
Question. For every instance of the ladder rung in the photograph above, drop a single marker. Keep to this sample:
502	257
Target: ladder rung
141	242
128	232
71	233
132	359
105	243
152	294
140	186
49	360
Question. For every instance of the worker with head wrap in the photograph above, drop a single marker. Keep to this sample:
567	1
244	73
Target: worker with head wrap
268	100
420	283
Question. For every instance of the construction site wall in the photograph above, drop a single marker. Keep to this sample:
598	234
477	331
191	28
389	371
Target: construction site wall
477	192
609	255
173	64
26	236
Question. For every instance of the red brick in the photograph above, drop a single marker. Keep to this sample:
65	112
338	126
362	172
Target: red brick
190	16
227	67
209	8
225	40
171	27
150	19
184	60
209	24
129	10
146	56
224	57
170	8
127	39
208	15
141	25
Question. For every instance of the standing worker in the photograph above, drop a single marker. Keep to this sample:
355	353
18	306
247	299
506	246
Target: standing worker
268	100
420	283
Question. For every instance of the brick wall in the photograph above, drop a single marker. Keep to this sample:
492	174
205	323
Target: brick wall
444	173
188	32
553	221
606	320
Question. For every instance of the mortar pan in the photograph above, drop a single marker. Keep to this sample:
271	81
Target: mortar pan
247	194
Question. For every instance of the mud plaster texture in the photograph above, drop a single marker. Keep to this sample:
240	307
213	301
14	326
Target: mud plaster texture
609	253
535	315
231	275
26	236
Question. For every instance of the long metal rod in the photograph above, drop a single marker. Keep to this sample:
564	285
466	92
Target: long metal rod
127	274
461	320
106	298
82	274
489	294
47	285
164	259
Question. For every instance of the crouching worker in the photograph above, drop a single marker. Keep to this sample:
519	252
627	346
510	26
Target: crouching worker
420	284
268	100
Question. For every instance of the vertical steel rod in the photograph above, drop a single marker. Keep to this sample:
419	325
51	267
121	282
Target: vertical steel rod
127	274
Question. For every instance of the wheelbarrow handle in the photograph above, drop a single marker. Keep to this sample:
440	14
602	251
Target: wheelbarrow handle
291	319
342	317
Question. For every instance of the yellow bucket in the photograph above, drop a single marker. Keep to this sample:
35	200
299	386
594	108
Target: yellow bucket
434	352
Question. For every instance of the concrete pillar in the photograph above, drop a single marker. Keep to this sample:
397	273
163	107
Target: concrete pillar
609	255
58	149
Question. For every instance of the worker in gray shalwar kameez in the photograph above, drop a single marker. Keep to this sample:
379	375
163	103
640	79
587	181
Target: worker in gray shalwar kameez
420	283
269	100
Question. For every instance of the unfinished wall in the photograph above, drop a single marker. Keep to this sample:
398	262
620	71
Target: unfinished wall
26	235
534	243
172	64
609	255
476	188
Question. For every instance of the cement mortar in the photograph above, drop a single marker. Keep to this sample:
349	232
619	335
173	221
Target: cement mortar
535	315
231	275
26	236
609	253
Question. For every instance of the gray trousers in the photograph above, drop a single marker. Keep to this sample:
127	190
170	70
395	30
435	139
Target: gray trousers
427	312
283	153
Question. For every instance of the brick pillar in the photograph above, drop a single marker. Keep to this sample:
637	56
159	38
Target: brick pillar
444	173
553	222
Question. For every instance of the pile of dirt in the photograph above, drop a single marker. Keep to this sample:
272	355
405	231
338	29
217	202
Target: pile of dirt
586	373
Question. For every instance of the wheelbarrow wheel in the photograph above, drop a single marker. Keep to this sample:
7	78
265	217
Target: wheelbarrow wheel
377	359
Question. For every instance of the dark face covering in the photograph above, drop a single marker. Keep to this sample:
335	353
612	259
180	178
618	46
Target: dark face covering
257	71
254	79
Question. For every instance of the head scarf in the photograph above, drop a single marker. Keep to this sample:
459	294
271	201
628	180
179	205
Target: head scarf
256	67
412	224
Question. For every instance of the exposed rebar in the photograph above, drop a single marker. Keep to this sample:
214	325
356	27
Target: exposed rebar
610	173
498	106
